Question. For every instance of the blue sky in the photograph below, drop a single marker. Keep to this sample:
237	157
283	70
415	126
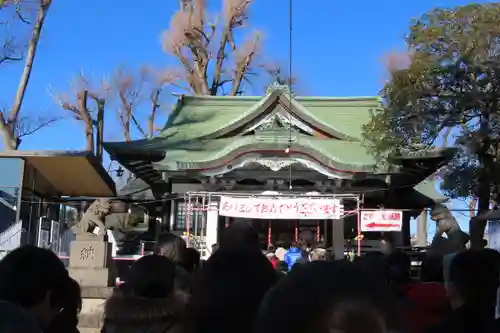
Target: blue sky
337	47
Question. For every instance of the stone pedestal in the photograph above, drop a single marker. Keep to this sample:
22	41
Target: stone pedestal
91	265
91	262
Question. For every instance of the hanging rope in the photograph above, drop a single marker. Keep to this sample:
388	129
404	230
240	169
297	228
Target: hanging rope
289	149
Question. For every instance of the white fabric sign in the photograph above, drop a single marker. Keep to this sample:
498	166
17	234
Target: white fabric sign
381	220
285	208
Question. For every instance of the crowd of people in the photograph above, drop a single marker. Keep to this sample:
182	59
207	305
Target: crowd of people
240	289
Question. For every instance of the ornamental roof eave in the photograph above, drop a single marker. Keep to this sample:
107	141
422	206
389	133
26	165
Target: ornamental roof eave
428	189
416	168
142	147
334	154
447	152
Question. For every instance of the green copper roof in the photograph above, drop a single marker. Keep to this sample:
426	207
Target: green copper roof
201	116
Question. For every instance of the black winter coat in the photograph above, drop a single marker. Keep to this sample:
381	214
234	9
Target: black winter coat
126	314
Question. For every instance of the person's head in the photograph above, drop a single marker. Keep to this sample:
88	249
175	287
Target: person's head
319	254
473	278
282	267
299	262
171	246
227	292
214	248
147	299
271	248
239	235
192	259
294	245
67	319
271	256
327	296
35	279
400	264
374	254
431	269
152	277
377	265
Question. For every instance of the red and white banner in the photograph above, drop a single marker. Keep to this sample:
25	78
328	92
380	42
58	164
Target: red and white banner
381	220
284	208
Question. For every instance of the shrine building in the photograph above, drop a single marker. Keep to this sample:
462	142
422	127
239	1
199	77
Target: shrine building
294	167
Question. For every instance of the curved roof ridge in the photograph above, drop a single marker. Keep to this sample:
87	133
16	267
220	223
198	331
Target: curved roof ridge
339	98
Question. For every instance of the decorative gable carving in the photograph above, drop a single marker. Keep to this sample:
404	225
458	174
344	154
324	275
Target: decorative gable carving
275	164
281	120
273	122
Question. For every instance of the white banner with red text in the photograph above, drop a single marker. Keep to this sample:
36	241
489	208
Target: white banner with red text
281	208
381	220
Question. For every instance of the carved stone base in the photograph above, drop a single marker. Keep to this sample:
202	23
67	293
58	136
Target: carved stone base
92	276
91	315
91	263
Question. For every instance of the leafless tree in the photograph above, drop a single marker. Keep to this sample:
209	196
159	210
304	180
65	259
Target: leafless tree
12	125
203	45
129	88
78	102
138	92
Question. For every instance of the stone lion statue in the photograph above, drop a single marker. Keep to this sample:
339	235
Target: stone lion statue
447	224
94	216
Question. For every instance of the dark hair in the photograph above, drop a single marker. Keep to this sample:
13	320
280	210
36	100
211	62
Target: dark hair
431	269
171	246
339	296
400	264
239	235
228	291
295	244
214	247
282	266
151	277
374	254
475	275
377	265
29	273
191	259
67	319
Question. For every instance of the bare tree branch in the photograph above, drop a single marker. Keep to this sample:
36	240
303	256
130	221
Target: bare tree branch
129	88
28	126
76	101
192	37
80	111
10	50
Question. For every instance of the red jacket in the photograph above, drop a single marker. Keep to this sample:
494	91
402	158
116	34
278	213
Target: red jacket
274	262
429	305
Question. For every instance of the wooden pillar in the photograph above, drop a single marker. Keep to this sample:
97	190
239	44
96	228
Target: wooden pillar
168	206
338	239
212	226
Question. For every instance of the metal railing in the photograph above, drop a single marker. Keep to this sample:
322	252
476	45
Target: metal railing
10	238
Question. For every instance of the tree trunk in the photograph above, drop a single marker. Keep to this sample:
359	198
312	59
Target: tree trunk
477	227
8	126
89	137
100	129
